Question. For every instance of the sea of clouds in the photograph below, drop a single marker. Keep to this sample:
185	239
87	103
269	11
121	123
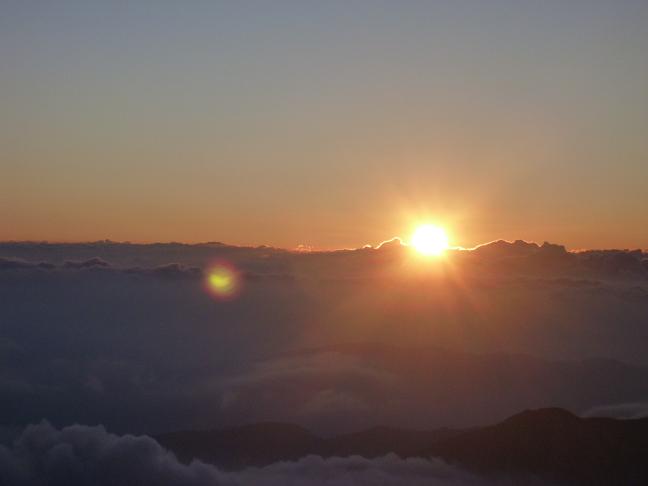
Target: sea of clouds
129	337
90	456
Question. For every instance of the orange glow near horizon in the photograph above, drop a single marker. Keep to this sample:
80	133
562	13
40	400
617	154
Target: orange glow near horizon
430	240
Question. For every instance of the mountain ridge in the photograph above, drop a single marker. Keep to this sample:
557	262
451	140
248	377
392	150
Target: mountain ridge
549	443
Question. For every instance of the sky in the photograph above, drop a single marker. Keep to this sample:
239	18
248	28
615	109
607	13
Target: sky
329	124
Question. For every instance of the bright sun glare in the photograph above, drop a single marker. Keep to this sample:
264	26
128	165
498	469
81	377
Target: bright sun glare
430	240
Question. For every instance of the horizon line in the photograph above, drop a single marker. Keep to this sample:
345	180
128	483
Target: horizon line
301	248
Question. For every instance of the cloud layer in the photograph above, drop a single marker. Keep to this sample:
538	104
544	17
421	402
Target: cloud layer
448	342
90	456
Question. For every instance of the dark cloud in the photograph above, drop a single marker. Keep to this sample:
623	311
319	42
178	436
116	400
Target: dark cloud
386	471
90	456
19	264
619	410
171	271
90	263
123	325
346	387
615	262
125	255
14	263
499	257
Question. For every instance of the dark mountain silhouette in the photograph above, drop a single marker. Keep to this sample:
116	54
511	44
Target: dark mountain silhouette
555	444
264	443
378	441
549	443
238	447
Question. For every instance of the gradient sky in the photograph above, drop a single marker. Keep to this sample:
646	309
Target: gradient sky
331	124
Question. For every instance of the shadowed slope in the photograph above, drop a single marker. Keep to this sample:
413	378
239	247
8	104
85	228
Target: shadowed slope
555	444
549	443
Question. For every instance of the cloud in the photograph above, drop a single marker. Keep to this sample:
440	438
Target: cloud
123	324
89	263
90	456
619	410
348	387
19	264
170	271
392	244
500	257
167	271
14	263
615	262
385	471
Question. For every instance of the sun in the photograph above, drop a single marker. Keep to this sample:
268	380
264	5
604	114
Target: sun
430	240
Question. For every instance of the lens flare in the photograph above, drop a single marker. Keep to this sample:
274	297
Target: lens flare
223	281
430	240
